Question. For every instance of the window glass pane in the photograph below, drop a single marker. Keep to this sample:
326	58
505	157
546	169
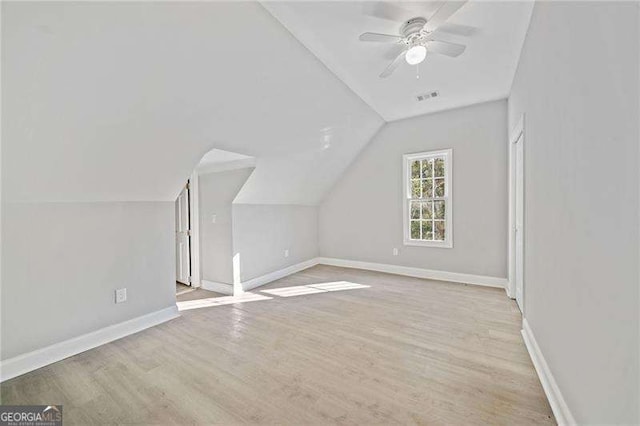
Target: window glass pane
415	229
415	169
439	167
415	188
427	188
439	231
415	210
439	187
427	230
427	210
438	209
427	168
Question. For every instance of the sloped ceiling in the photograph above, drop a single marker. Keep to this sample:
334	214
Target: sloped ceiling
119	101
218	156
483	72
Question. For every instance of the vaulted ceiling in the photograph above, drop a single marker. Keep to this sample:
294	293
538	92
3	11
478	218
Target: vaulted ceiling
118	101
484	72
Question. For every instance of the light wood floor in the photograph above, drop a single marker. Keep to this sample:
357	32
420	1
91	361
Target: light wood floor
402	350
182	288
195	294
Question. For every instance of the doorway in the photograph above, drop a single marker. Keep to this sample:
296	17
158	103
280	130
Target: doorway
516	214
183	238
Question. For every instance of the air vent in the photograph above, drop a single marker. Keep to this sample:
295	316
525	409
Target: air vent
428	95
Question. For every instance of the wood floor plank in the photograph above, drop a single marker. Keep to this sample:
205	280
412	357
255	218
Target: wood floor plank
400	350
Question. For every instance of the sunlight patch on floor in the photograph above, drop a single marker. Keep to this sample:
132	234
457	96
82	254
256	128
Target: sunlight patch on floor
300	290
220	301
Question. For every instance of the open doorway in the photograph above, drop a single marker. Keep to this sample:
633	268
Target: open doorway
203	225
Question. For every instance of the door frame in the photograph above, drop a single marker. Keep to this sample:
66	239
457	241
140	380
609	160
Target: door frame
194	219
516	133
183	237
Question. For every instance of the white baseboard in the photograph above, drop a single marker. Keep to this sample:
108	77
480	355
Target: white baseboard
217	287
30	361
417	272
380	267
556	400
276	275
507	288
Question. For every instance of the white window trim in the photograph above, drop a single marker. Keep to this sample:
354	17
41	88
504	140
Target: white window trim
406	184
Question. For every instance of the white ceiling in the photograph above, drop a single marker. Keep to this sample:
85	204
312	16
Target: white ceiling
219	160
118	101
330	29
217	156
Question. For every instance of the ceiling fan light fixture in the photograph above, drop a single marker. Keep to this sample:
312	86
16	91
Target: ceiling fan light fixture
415	55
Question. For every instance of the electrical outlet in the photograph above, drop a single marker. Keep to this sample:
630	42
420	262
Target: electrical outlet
395	251
121	295
286	253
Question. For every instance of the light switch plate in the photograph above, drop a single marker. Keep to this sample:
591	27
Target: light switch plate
286	253
121	295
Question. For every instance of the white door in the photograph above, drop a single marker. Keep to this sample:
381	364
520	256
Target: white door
183	251
519	220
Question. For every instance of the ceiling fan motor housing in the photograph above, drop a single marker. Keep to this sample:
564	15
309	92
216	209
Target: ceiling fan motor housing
412	26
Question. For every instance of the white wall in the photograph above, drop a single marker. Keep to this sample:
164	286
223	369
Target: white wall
361	218
577	83
216	193
61	263
261	233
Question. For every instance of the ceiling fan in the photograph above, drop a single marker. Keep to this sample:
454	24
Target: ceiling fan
417	34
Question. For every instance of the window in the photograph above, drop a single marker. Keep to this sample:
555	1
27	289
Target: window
427	199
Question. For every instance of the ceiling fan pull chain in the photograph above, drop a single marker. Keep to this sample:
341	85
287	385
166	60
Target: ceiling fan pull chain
417	71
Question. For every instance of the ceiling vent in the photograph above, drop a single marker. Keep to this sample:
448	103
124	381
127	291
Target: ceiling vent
428	95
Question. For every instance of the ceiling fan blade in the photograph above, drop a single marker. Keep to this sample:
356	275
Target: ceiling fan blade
381	38
457	29
445	48
385	10
393	50
443	13
393	65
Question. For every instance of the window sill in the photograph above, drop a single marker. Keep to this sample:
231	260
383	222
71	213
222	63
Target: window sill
438	244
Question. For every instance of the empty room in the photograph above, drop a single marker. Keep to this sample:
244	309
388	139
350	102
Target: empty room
320	212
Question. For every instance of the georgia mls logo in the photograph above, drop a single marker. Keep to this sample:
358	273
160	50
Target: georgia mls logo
30	415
